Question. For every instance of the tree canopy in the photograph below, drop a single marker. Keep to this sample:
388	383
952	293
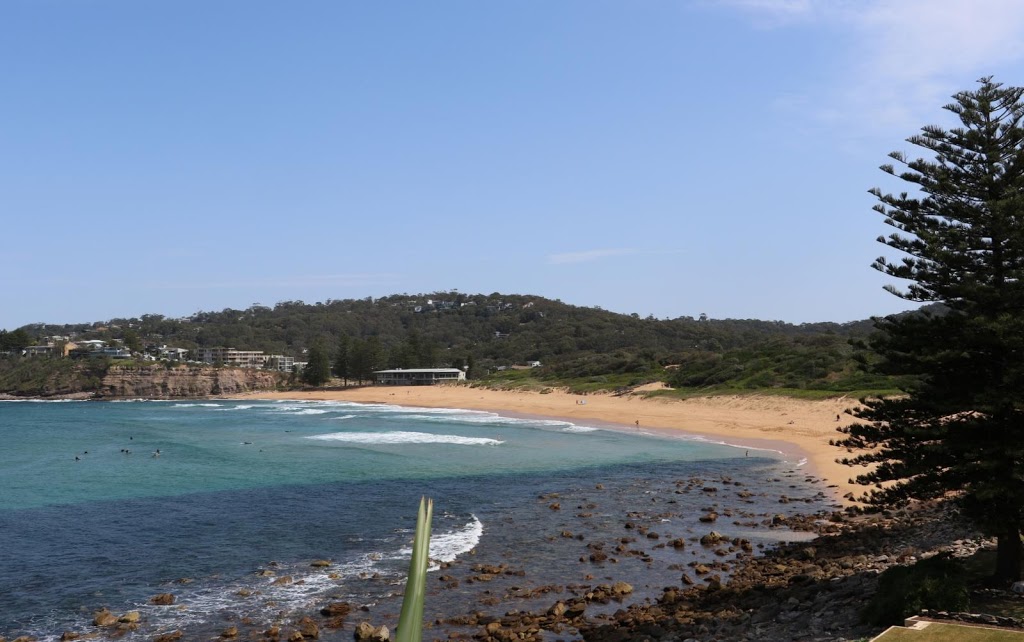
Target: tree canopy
959	430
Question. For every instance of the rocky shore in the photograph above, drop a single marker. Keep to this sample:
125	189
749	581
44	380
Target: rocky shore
728	588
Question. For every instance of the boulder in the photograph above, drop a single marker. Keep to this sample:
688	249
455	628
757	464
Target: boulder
230	632
622	588
336	609
162	599
308	628
169	637
366	632
711	538
320	563
131	617
104	618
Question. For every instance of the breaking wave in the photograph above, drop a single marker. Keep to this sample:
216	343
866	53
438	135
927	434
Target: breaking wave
405	437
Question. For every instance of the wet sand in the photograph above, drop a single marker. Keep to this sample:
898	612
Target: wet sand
796	427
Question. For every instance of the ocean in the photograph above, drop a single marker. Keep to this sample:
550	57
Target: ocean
226	504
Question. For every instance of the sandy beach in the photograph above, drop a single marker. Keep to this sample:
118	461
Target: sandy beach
799	428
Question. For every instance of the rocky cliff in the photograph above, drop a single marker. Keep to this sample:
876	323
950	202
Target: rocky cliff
158	382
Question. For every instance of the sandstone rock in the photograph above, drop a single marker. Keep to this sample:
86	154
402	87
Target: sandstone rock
711	538
367	632
67	636
104	618
622	588
230	632
708	517
320	564
129	618
308	628
169	637
335	609
162	599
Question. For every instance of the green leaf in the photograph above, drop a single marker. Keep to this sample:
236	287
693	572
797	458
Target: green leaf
410	621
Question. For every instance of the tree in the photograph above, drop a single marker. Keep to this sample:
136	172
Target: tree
318	366
14	341
342	359
132	341
959	430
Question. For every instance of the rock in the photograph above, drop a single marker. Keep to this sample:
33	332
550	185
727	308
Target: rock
295	636
711	538
320	564
162	599
104	618
308	628
555	506
622	588
557	609
67	636
131	617
230	632
366	632
287	579
336	609
708	517
169	637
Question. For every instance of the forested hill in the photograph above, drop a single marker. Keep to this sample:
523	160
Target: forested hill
488	332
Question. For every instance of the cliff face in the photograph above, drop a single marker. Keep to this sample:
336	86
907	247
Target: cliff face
159	382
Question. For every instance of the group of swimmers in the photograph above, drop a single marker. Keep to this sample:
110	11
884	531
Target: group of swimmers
125	451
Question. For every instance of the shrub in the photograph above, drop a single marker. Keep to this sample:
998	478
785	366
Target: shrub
937	583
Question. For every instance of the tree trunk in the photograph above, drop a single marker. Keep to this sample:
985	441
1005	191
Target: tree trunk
1008	555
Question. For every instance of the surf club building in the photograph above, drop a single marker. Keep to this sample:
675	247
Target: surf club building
418	376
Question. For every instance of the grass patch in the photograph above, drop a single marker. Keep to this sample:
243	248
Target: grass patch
936	632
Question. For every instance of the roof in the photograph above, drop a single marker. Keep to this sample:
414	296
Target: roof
417	370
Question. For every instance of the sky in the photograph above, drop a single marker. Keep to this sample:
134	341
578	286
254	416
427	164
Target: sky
659	157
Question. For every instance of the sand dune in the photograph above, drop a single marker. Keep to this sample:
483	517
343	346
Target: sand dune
797	427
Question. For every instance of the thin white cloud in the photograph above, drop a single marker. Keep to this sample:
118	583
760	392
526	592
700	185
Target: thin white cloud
904	58
295	281
587	256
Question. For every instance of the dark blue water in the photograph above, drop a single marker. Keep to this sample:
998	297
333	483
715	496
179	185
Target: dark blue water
242	488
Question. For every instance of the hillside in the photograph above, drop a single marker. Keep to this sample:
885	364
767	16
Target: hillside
580	346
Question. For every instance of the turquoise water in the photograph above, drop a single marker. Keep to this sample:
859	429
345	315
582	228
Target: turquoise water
108	503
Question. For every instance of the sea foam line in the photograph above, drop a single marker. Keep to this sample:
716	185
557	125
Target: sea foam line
405	437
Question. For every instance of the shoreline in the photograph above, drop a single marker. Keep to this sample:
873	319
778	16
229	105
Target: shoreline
798	429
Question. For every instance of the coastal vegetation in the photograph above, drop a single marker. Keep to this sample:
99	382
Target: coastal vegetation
959	428
491	336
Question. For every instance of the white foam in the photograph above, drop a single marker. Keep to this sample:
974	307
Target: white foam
197	405
405	437
309	411
344	417
446	547
206	604
575	428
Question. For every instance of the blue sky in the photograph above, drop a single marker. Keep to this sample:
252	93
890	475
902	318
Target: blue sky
666	158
